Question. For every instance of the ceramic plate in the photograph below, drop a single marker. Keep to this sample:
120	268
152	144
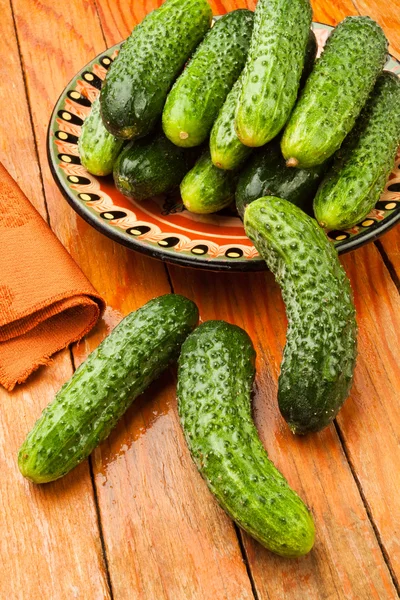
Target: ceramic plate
161	227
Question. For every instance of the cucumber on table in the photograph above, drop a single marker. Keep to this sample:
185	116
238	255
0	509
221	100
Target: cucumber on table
266	174
365	160
335	92
320	352
151	166
197	96
215	380
273	69
89	405
227	151
207	189
98	149
138	81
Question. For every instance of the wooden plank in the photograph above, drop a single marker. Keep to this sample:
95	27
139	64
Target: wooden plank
41	552
347	561
164	536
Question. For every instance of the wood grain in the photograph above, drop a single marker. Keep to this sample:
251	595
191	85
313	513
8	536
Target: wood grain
163	535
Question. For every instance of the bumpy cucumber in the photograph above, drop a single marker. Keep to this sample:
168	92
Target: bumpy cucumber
138	81
98	149
227	151
215	378
335	92
151	166
266	174
273	69
320	352
197	96
87	407
207	189
363	163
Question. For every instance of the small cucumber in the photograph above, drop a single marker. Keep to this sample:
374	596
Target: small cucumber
151	166
197	96
139	79
365	160
227	151
215	379
207	189
320	352
98	149
90	404
266	174
273	69
335	92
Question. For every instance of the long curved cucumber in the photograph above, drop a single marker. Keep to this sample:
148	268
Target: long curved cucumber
335	92
139	79
151	166
273	69
197	96
266	174
89	405
363	163
320	352
207	189
227	151
215	379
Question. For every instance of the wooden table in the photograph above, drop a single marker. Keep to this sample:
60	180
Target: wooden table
136	521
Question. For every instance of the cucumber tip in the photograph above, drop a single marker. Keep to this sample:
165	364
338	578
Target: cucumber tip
292	162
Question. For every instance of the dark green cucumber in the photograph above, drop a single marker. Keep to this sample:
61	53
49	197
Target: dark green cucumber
335	92
320	352
207	189
98	149
273	69
89	405
363	164
138	81
151	166
197	96
309	59
266	174
227	151
215	379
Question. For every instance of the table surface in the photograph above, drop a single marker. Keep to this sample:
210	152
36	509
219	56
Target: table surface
136	521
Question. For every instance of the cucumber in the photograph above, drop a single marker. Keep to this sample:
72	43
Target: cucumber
207	189
98	149
335	92
266	174
89	405
227	151
139	79
320	352
273	69
215	379
197	96
365	160
151	166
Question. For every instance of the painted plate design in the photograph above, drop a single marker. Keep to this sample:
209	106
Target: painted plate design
161	227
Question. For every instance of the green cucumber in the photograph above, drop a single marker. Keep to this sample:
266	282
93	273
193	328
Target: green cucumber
98	149
335	92
320	352
90	404
266	174
215	380
207	189
273	69
227	151
363	164
309	59
139	79
197	96
151	166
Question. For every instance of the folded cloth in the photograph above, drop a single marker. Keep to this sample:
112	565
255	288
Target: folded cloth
46	302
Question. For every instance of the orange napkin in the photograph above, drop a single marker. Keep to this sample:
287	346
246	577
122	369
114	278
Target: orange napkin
46	302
